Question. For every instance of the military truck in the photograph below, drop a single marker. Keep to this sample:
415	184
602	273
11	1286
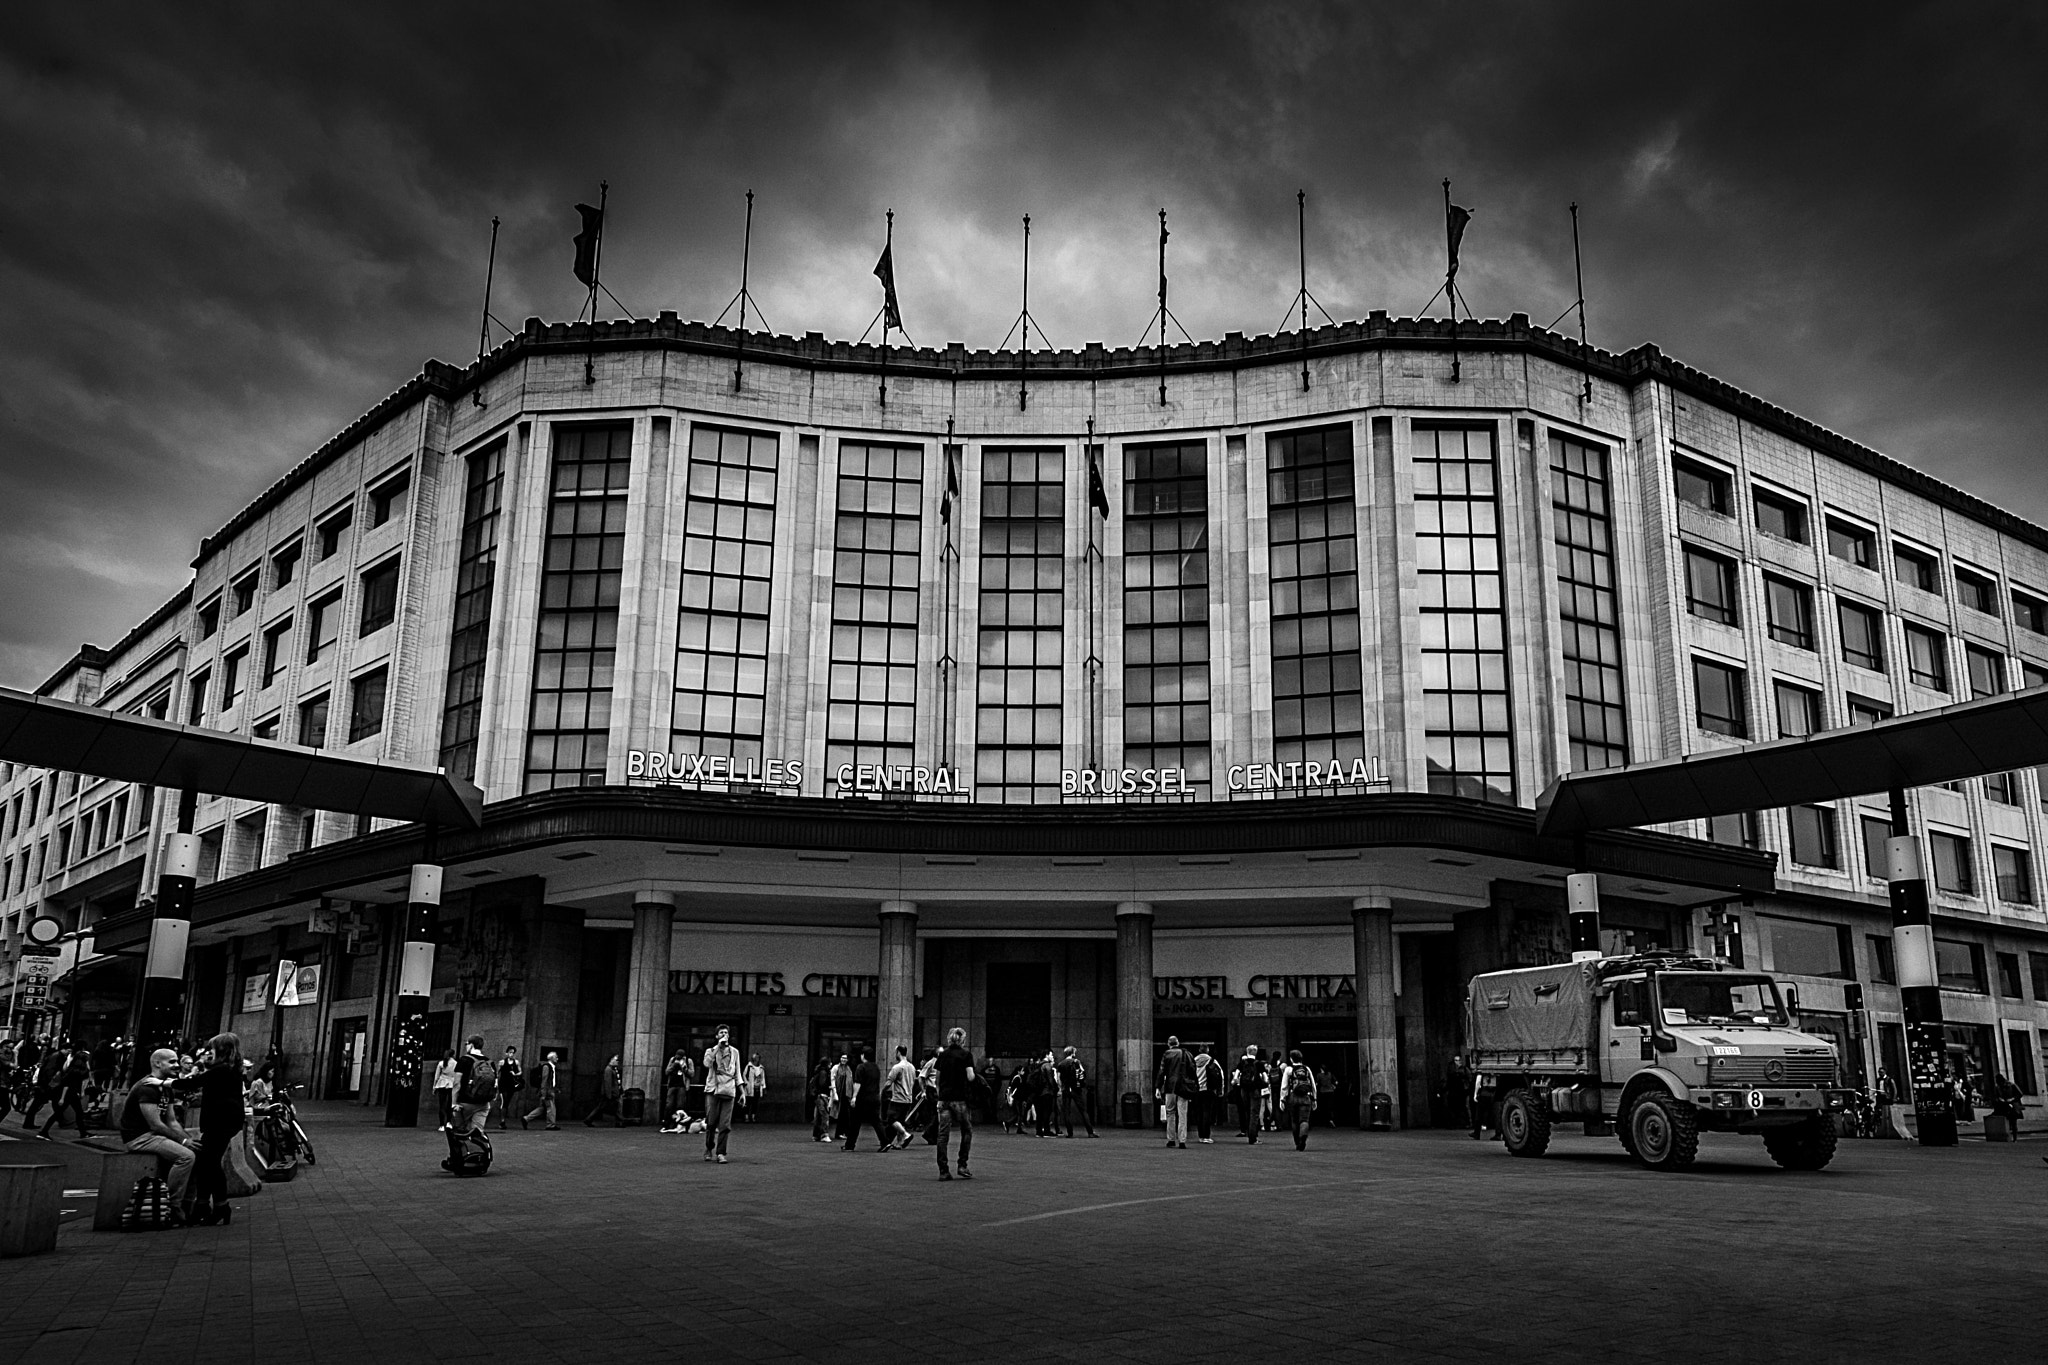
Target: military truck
1656	1048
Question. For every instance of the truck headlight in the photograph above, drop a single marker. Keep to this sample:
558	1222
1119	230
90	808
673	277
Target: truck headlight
1724	1099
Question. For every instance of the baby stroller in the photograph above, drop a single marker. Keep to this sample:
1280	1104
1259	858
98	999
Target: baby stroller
468	1153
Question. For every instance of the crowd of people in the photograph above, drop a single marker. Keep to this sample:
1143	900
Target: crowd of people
213	1090
65	1075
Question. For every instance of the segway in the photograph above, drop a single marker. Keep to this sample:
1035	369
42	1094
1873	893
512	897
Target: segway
468	1153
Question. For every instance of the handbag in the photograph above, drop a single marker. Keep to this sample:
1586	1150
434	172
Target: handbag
238	1171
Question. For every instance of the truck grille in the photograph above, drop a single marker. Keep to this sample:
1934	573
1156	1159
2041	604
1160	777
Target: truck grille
1773	1071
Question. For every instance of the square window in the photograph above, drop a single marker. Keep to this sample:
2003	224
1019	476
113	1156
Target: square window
380	597
388	499
209	618
1867	710
2014	869
1852	543
2030	611
284	564
1806	948
1914	568
1780	516
2032	675
1710	591
242	594
1987	671
1876	859
1960	965
2003	788
366	705
1862	634
265	728
1701	485
1813	836
1927	657
1718	691
1740	830
1952	871
1798	711
1789	607
1976	592
332	533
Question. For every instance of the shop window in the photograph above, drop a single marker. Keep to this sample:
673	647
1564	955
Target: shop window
2014	869
1710	591
1927	658
1960	965
1987	671
1876	862
1780	516
1789	608
1466	725
1862	634
1798	710
1596	727
2009	975
1813	836
366	704
1914	568
1313	556
1891	1052
721	673
1883	968
1701	485
388	499
1975	591
1718	698
1851	543
1166	615
1867	710
871	704
475	581
1952	871
313	722
1805	948
380	597
1740	830
2021	1045
2030	612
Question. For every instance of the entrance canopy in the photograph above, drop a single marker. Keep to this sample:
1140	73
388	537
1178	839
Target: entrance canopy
43	732
1969	739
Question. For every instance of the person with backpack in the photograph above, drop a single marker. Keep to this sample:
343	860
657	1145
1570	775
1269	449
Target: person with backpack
1298	1090
1251	1083
1176	1088
545	1078
1074	1091
476	1085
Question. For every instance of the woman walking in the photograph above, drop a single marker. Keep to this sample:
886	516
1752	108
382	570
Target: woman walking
444	1088
221	1118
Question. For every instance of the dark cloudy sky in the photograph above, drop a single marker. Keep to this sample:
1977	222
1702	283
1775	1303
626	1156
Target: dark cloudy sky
225	231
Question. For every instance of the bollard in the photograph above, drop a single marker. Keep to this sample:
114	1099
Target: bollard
28	1209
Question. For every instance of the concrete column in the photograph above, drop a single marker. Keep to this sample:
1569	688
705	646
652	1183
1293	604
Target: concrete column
646	1047
160	996
896	991
1372	939
1582	903
1919	983
1133	1003
406	1065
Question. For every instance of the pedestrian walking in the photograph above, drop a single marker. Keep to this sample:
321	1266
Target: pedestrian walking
546	1077
511	1080
1176	1087
676	1079
822	1107
222	1116
899	1097
70	1082
607	1102
444	1087
721	1093
1298	1086
956	1085
149	1126
1250	1082
1074	1091
753	1089
867	1100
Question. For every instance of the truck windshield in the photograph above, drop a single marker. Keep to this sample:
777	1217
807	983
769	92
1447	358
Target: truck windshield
1713	998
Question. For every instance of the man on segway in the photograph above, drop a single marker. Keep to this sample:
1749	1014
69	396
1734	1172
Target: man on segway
476	1084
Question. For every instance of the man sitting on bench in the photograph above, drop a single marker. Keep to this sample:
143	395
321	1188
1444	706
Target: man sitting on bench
147	1125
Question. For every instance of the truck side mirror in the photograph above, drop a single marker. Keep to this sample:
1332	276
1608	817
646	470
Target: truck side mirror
1792	1003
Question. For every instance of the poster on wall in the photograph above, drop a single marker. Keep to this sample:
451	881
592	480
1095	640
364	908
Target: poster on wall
255	992
298	983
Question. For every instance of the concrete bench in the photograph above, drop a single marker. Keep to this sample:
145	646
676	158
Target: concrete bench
119	1173
28	1209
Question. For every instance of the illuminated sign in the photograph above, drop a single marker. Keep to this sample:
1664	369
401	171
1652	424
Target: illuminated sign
1301	776
1124	782
898	780
652	765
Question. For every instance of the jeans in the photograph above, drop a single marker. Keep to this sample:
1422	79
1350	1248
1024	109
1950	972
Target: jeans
1205	1105
1074	1102
1248	1103
444	1104
1177	1120
953	1114
671	1100
545	1105
1299	1112
717	1122
177	1153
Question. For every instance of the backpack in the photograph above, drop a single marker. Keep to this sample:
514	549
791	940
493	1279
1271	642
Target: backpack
1301	1084
483	1082
149	1208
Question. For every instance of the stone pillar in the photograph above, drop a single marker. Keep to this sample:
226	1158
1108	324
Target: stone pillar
1372	939
1133	1004
646	1047
896	989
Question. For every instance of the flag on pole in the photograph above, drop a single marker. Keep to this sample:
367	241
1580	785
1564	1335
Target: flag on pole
1098	497
586	244
952	485
885	271
1455	219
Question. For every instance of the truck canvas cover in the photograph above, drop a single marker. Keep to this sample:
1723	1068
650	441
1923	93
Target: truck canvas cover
1530	1010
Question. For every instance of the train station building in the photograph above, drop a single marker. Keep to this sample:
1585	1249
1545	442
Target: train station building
844	696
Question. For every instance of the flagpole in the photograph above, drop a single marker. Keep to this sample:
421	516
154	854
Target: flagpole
1301	241
1024	351
739	350
888	250
1579	269
483	329
1162	307
1451	278
604	189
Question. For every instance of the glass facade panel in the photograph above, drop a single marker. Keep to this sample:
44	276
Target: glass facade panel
577	639
476	566
1166	609
1020	637
1466	726
872	711
1318	709
721	676
1591	628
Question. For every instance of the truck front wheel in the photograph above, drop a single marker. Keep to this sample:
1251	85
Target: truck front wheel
1804	1146
1664	1132
1525	1124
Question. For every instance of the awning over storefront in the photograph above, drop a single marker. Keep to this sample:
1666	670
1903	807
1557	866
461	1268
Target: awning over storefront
46	733
1969	739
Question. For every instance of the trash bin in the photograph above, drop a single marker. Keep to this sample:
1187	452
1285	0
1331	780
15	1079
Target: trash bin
1379	1112
1997	1128
1133	1115
633	1106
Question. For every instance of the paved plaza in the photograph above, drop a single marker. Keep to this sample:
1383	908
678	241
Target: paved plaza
624	1244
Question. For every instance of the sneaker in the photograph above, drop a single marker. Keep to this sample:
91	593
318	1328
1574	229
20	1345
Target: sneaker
1206	1142
707	1156
966	1174
945	1174
721	1158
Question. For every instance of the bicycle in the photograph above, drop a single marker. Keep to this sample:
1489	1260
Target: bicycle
278	1139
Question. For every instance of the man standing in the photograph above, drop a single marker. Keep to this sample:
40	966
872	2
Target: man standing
842	1097
956	1085
1073	1091
1208	1094
676	1078
721	1093
511	1078
900	1099
545	1078
1176	1086
867	1100
147	1124
1250	1083
753	1088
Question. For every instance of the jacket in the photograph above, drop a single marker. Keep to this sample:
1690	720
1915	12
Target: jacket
1175	1068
